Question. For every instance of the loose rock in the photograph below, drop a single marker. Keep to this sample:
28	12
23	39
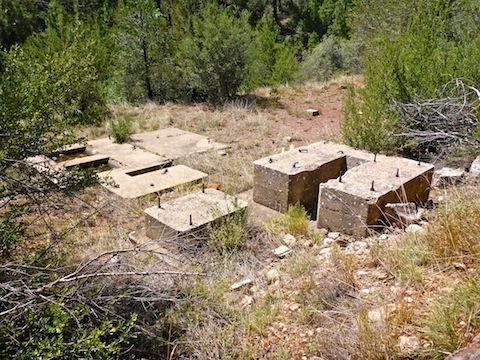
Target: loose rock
241	283
272	275
281	251
408	344
289	240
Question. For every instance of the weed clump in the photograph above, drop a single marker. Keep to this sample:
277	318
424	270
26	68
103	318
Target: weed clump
121	129
294	221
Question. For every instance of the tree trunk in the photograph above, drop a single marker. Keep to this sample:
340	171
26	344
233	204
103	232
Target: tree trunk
148	83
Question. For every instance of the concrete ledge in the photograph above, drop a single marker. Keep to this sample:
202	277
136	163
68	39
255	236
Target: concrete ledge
191	213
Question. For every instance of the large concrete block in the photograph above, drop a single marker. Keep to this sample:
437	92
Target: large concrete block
355	203
190	214
293	177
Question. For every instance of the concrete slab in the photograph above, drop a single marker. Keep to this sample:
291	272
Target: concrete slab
191	213
174	143
356	203
144	183
126	155
87	161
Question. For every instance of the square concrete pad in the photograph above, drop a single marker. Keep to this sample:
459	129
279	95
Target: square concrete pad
174	143
173	218
126	155
140	184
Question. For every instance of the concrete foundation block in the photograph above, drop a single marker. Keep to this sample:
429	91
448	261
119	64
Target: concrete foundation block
190	214
355	203
293	177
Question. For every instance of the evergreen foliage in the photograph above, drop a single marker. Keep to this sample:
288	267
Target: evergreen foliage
413	54
215	53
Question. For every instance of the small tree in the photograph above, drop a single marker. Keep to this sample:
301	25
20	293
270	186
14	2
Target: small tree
215	54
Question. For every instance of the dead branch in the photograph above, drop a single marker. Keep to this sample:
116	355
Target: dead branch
433	125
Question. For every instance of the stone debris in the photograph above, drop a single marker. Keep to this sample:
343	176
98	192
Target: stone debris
379	316
282	251
469	352
246	301
334	235
448	176
289	240
414	229
241	283
475	168
272	275
403	214
408	344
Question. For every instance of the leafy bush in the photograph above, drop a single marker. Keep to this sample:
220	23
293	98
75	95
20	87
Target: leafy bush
227	233
215	53
332	56
411	55
121	129
61	330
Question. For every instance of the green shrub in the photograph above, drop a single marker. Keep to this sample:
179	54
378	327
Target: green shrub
227	233
332	56
121	129
294	221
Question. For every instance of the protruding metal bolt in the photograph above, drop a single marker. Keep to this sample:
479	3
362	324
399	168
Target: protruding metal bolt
303	150
398	173
375	157
340	152
165	171
203	187
159	204
340	177
270	160
419	162
373	186
296	165
191	222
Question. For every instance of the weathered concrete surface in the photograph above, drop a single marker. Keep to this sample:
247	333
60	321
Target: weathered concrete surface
293	177
174	143
87	161
353	206
190	213
126	155
141	184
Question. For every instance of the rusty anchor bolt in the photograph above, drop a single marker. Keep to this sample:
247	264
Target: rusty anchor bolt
159	204
191	222
398	173
373	187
